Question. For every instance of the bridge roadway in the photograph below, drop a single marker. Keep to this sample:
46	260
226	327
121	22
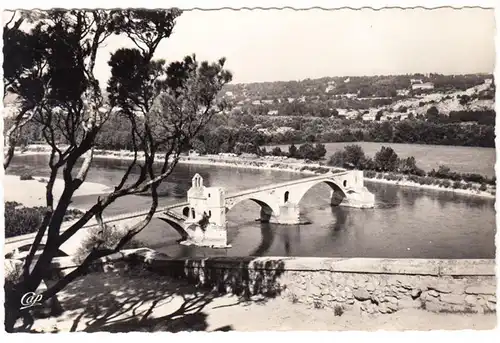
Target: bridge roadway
24	240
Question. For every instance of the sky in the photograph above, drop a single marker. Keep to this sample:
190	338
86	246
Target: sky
286	45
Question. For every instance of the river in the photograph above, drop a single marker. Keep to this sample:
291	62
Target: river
405	223
461	159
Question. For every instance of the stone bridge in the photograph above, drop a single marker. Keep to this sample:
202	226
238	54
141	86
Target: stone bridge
202	219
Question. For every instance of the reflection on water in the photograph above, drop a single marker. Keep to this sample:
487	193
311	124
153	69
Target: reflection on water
405	223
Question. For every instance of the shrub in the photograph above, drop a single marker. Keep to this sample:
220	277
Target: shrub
457	184
352	156
108	238
413	178
337	159
386	159
483	187
21	220
473	178
318	305
26	176
369	174
338	310
446	183
277	152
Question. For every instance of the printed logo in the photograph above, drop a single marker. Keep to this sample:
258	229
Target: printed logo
30	299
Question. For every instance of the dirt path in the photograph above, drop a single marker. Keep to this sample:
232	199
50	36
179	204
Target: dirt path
111	302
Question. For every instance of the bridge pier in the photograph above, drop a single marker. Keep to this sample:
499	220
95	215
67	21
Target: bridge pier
289	214
206	223
361	198
212	236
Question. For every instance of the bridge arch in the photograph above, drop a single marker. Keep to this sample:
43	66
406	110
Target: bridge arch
176	226
267	207
339	192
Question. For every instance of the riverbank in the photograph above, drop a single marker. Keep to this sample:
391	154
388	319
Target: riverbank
31	193
300	166
435	187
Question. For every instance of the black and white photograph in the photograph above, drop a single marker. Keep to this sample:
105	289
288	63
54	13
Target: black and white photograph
249	169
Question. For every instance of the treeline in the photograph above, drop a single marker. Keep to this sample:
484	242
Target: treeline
245	137
323	106
223	139
306	151
387	160
482	117
404	131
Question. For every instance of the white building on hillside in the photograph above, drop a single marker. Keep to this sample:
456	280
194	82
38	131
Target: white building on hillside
403	92
424	85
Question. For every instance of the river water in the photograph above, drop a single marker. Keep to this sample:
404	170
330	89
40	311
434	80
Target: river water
405	223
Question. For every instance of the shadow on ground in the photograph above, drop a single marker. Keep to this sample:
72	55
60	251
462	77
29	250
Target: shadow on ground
140	300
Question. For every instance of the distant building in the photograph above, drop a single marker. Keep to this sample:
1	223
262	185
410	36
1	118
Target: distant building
329	88
268	102
349	95
273	113
256	102
193	153
284	129
426	85
402	92
341	111
230	94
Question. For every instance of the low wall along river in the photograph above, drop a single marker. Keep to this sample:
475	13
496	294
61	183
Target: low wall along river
365	284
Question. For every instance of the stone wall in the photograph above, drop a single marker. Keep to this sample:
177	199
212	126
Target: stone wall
370	285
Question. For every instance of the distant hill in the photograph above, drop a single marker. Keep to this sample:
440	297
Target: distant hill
362	86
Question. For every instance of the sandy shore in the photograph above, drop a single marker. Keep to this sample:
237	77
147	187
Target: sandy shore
148	303
277	165
31	193
407	183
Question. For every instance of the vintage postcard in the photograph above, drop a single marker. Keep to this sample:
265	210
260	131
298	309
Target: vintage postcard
213	169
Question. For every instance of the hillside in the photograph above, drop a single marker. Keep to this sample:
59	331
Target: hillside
353	97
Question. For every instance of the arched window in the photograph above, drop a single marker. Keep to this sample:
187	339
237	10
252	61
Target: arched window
209	213
286	196
209	195
193	213
345	183
185	211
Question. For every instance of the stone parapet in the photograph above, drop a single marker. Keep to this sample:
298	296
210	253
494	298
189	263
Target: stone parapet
365	284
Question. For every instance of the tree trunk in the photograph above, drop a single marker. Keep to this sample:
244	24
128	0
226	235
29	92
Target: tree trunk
12	309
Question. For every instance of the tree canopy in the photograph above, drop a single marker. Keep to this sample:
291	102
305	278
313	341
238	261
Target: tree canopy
50	68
